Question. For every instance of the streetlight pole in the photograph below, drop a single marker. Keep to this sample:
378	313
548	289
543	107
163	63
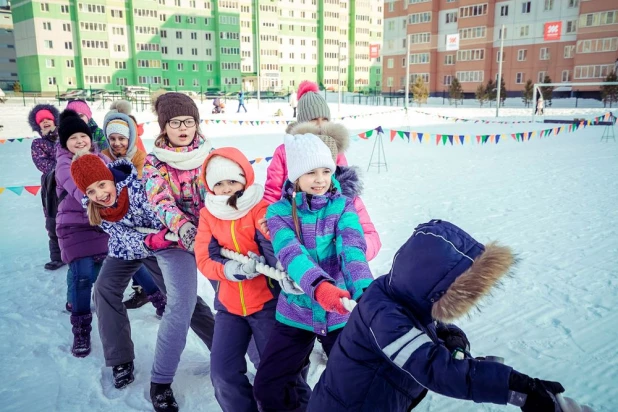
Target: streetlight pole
405	104
499	82
257	49
339	78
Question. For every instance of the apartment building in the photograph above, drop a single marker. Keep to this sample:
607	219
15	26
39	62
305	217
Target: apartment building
196	44
8	58
583	49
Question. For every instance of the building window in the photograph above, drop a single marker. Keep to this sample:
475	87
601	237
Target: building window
549	5
47	25
209	67
571	26
447	80
474	76
593	72
473	11
48	44
451	17
164	50
70	63
166	82
165	66
178	19
390	63
45	7
544	53
64	9
193	35
121	81
504	11
195	67
181	82
179	35
524	31
519	78
50	63
569	52
522	55
525	7
566	76
51	81
68	45
498	57
541	77
66	27
573	3
178	50
470	55
181	67
449	59
194	51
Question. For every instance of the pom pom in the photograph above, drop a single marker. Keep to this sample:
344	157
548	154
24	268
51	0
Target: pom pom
306	86
121	106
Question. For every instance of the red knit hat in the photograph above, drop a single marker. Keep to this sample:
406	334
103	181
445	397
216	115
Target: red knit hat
87	169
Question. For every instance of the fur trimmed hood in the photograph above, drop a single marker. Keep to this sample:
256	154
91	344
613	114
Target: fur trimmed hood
335	130
32	116
441	273
349	179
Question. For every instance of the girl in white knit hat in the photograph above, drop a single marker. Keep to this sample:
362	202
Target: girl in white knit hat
317	237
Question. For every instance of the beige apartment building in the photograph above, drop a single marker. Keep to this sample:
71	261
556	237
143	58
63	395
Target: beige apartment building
583	49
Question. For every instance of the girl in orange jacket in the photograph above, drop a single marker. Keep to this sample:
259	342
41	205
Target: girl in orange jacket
245	299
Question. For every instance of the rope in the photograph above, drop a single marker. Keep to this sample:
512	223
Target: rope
266	270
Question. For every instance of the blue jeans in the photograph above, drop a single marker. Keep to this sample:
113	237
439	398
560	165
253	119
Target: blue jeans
228	367
70	287
85	272
143	278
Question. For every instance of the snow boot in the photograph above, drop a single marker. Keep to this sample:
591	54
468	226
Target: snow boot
54	264
162	397
123	375
159	301
81	335
137	299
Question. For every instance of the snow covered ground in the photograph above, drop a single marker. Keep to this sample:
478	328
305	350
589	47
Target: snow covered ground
553	200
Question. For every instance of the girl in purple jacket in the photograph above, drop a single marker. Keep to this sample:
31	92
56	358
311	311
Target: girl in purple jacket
82	246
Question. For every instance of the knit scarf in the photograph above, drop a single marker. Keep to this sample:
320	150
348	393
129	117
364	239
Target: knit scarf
217	205
188	160
116	213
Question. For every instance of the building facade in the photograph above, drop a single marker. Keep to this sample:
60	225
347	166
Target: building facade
8	57
585	47
197	45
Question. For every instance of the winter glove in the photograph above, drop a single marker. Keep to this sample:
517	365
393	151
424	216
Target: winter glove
257	258
157	241
539	393
329	297
287	284
454	338
237	272
186	236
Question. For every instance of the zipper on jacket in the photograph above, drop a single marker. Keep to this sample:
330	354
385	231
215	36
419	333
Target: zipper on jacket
242	297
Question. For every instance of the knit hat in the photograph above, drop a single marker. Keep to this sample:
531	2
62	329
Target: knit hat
117	126
170	105
311	104
44	115
305	152
81	107
71	123
221	168
32	116
87	169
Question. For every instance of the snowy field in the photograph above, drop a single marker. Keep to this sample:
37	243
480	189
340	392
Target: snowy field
553	200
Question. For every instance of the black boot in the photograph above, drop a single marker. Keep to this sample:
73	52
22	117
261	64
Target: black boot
162	397
137	299
54	264
123	375
81	335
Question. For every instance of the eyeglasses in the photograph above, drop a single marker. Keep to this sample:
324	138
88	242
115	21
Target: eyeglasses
175	124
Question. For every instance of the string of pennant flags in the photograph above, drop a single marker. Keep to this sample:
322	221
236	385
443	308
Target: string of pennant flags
460	119
34	189
412	136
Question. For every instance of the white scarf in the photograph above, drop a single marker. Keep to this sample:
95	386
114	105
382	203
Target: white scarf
217	205
183	160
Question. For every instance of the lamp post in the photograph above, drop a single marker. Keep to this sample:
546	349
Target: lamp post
257	48
405	104
339	78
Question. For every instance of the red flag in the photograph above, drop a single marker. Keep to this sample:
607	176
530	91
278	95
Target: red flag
32	189
393	134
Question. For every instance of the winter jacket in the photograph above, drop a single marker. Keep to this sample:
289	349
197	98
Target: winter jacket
124	241
98	137
43	152
176	195
389	354
138	160
76	237
242	235
332	249
139	157
277	173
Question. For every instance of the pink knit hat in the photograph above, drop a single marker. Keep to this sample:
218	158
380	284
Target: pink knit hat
44	114
81	107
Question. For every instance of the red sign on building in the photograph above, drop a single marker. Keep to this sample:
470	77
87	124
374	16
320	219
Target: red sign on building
374	51
552	30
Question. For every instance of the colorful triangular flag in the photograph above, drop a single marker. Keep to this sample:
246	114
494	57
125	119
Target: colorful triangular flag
16	189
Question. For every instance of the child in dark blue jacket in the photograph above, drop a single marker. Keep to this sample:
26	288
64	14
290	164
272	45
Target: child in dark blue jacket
392	351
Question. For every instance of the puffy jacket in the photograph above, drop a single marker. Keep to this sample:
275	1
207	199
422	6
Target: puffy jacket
242	235
98	137
43	152
333	249
176	195
76	237
125	242
389	355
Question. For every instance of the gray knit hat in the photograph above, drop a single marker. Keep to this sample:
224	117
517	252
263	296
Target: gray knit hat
311	104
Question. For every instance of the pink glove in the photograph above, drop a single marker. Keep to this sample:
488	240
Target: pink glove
329	297
156	241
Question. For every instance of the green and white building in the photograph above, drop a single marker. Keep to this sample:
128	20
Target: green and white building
197	45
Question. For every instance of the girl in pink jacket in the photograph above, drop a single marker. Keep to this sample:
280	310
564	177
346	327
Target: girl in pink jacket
313	117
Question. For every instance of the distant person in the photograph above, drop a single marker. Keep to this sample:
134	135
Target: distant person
540	105
218	106
293	102
241	101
